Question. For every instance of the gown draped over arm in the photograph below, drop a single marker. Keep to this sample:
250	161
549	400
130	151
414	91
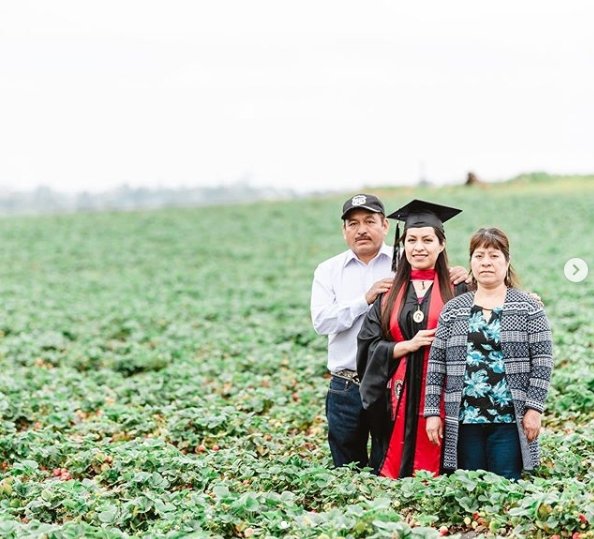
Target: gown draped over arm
375	366
375	361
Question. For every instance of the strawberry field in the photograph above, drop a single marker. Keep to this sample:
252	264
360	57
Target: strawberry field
159	376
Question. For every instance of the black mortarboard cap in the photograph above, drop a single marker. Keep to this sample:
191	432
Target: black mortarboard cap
417	214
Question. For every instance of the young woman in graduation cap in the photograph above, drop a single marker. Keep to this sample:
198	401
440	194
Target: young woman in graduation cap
394	342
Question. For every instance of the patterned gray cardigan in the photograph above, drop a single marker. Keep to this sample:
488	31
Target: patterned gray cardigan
528	354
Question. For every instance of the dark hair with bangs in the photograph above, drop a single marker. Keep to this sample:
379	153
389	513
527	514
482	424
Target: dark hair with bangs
494	238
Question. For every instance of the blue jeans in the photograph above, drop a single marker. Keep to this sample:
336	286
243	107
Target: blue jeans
494	447
348	429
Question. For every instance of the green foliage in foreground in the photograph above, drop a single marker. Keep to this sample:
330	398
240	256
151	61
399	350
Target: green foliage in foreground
159	376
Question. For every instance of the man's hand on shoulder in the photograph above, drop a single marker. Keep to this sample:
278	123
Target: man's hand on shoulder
537	298
458	275
378	288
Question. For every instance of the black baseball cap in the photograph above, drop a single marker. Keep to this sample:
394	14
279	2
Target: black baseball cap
363	201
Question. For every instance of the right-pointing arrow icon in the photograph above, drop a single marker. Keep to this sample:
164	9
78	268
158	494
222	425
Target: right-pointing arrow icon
576	270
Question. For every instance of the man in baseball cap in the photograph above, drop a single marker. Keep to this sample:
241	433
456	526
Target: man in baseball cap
343	289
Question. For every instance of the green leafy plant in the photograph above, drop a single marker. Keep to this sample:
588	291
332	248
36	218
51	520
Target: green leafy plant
160	378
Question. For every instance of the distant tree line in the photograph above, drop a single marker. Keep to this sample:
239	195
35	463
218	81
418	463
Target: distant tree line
47	200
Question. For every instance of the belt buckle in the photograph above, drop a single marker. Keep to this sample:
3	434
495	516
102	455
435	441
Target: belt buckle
349	375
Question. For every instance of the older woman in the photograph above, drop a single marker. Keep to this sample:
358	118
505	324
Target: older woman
394	340
491	363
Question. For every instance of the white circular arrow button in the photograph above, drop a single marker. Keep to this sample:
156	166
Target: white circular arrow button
576	270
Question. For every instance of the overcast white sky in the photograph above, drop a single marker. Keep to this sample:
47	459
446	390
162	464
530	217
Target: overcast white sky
309	93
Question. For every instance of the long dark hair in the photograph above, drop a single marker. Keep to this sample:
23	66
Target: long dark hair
402	278
494	238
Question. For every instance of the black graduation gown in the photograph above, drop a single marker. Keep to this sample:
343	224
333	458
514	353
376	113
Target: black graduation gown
376	366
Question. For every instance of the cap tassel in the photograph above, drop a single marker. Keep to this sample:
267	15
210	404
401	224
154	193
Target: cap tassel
396	252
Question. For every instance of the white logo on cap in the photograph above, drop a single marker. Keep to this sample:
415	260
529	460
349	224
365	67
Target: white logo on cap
359	200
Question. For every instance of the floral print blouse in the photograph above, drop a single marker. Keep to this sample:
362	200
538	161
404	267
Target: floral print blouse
486	397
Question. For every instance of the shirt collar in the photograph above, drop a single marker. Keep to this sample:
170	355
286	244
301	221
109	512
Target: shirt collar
384	251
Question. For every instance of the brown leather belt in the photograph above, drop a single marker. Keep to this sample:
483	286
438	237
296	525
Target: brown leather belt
347	374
